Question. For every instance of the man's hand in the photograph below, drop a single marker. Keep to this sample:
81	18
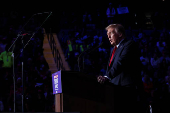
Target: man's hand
102	79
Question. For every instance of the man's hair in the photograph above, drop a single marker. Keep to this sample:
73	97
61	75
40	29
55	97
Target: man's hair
118	28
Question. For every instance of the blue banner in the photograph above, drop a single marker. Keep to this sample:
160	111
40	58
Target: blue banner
122	10
56	81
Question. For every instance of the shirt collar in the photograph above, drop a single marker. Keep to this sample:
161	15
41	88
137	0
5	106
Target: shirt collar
119	43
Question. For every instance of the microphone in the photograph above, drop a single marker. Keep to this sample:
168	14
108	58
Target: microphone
42	13
96	47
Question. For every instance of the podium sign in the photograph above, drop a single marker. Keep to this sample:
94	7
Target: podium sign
56	81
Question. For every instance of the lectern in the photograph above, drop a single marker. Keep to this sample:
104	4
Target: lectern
82	93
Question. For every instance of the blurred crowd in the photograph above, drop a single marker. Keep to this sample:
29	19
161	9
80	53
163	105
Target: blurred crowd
22	62
80	35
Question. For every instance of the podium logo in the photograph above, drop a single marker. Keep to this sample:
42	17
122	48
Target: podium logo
56	83
55	76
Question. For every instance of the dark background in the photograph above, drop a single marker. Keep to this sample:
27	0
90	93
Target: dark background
18	9
30	7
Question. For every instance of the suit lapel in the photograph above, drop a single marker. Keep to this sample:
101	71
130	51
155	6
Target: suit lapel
117	51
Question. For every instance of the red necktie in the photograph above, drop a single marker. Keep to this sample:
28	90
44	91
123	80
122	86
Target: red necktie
112	54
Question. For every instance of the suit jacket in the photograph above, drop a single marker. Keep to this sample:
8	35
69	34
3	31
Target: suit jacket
125	66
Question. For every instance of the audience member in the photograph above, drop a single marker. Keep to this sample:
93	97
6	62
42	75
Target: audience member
155	61
110	12
7	61
87	19
165	56
144	59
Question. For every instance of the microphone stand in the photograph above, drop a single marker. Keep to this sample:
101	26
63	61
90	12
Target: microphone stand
78	59
13	44
36	31
19	34
95	48
91	50
13	76
22	55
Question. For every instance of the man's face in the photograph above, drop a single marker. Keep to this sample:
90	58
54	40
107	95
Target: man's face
113	36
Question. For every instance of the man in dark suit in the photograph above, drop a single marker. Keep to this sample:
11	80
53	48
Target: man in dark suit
123	69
